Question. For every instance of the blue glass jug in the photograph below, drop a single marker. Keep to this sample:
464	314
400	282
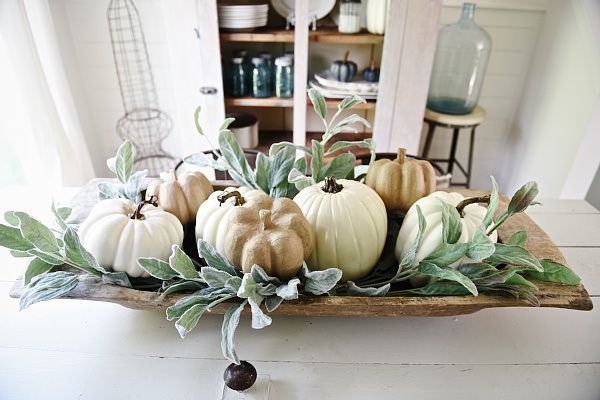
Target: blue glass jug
461	57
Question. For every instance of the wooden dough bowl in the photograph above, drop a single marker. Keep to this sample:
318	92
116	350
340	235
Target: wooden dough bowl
539	244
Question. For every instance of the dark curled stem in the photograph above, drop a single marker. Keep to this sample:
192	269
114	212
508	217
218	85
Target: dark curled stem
239	199
471	200
331	186
137	214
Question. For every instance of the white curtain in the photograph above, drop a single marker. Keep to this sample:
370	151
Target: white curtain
41	139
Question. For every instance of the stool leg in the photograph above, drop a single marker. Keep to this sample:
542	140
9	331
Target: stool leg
452	157
428	139
470	168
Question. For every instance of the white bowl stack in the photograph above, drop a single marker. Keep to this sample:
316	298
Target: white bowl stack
241	15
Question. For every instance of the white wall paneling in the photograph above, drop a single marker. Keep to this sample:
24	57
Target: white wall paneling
408	51
300	70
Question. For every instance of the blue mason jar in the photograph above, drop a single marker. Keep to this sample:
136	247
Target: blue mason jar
247	65
260	78
284	77
238	84
226	71
461	56
268	57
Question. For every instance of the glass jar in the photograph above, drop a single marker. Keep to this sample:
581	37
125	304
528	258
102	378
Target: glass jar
350	16
289	54
268	57
260	78
284	77
246	63
226	71
461	57
238	86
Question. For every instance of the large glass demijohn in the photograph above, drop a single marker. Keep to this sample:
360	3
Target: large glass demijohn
461	56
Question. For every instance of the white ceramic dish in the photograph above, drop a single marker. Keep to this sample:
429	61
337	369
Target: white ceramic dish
338	94
318	8
326	79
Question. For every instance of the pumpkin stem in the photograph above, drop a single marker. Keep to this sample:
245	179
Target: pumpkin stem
346	56
401	156
239	199
331	186
265	219
461	206
137	214
372	60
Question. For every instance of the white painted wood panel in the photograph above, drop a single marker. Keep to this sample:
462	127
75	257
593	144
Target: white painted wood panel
568	230
300	71
190	378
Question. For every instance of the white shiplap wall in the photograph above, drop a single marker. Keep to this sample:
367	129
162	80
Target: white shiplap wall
514	30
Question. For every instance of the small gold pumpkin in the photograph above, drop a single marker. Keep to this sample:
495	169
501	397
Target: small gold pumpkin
181	196
402	181
278	239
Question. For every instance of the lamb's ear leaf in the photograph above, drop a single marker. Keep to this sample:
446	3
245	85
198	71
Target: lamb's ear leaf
231	320
50	286
493	204
318	102
124	162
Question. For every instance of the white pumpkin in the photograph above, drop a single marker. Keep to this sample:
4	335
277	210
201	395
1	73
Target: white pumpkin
431	238
213	213
117	232
349	224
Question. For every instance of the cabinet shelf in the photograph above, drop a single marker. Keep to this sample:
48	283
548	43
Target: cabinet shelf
277	102
321	35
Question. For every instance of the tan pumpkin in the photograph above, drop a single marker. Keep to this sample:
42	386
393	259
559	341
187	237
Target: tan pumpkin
181	196
278	239
402	181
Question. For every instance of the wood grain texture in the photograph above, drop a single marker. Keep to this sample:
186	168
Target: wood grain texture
539	244
322	35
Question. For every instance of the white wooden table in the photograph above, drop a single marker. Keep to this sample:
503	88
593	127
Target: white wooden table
66	349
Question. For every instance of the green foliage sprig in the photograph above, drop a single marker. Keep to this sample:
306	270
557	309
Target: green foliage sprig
279	173
219	281
129	183
503	267
51	250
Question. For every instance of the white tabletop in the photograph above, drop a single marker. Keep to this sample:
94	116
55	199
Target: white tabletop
67	349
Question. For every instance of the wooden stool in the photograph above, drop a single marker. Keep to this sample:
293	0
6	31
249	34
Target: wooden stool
456	123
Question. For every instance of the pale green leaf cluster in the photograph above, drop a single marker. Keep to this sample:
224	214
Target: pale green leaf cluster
279	173
130	183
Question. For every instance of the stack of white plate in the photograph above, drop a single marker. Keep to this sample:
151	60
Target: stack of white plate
330	87
242	15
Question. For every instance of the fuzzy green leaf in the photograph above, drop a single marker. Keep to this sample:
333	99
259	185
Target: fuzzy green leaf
282	163
350	102
447	254
124	162
231	319
555	272
289	291
157	268
50	286
319	282
182	264
117	278
518	239
318	102
480	246
448	274
11	238
234	155
340	166
354	290
36	267
213	258
451	225
493	204
197	120
36	233
214	278
316	163
262	169
77	256
523	198
514	255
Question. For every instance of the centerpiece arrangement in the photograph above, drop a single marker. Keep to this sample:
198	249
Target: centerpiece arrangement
288	228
